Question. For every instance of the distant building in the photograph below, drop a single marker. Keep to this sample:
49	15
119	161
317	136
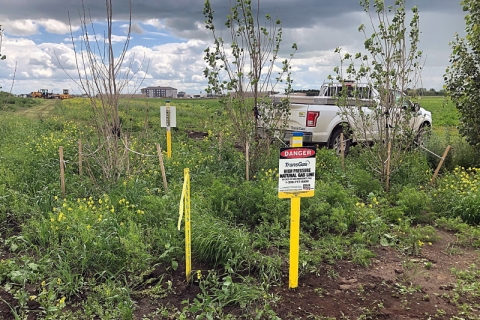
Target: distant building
181	94
159	92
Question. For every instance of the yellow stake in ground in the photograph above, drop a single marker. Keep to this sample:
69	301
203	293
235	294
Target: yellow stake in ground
294	241
169	133
185	205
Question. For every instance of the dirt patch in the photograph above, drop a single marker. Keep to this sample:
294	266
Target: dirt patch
196	135
395	286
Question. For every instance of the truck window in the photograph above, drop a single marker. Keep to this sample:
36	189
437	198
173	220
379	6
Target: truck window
361	92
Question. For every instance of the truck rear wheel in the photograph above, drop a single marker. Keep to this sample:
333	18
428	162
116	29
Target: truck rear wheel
335	142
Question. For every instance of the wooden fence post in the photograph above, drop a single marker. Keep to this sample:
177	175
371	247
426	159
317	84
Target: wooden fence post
440	164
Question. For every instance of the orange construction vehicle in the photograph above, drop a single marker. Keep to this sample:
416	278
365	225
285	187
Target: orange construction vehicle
41	93
65	95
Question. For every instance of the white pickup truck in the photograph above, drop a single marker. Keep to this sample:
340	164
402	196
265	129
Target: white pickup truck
321	119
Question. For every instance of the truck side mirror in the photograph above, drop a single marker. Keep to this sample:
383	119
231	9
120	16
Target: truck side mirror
415	107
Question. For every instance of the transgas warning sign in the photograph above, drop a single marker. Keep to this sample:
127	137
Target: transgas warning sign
296	170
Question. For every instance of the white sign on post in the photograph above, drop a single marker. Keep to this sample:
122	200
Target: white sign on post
168	117
296	170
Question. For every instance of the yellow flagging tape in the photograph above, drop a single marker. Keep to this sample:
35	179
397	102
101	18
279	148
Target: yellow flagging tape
180	213
185	205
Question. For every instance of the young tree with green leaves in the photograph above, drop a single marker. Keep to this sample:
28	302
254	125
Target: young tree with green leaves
462	78
391	65
240	72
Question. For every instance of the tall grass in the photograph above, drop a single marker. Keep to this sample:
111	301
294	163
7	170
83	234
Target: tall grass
443	111
9	102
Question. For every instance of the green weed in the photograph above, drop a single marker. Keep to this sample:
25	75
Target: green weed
456	195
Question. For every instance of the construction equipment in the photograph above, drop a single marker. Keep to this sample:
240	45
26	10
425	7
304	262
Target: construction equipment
65	95
41	93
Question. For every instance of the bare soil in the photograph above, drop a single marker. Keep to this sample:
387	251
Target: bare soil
381	291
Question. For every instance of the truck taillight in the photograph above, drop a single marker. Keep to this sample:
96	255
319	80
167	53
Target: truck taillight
312	117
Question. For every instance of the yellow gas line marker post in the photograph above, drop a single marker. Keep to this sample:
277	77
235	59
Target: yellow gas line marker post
168	119
185	205
169	132
294	241
296	180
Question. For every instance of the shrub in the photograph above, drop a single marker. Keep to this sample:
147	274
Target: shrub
328	165
413	171
248	202
457	195
331	209
94	236
363	183
461	153
413	202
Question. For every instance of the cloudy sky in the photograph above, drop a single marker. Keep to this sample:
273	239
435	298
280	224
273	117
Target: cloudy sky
168	39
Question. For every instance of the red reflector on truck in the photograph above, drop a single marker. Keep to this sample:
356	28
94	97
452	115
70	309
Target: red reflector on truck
312	117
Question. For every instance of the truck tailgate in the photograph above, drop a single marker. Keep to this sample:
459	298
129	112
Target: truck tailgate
298	117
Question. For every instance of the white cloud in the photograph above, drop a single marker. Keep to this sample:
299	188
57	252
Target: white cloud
42	73
99	38
60	55
175	64
55	26
197	78
25	27
35	61
155	23
116	39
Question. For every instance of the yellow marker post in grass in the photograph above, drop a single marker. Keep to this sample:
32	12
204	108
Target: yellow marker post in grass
296	180
169	132
185	205
296	140
168	119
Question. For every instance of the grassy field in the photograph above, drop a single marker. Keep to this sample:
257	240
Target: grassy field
111	248
443	111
